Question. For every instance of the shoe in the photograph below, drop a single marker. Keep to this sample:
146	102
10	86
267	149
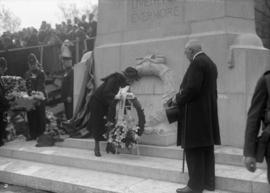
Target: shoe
185	190
110	148
1	143
209	188
97	153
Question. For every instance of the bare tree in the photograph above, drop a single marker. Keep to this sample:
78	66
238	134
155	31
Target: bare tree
8	21
69	11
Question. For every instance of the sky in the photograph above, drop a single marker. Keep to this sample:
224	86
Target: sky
33	12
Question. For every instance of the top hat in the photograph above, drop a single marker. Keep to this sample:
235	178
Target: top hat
172	113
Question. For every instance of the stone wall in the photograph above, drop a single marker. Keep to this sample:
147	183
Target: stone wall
130	29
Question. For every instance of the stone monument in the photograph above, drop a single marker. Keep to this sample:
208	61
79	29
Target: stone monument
150	35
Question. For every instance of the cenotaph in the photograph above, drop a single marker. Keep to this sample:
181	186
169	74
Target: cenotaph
150	35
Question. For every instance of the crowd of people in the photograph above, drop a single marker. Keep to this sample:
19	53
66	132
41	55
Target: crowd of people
82	28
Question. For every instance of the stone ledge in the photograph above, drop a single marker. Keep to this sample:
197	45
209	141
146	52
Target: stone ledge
230	178
71	180
223	154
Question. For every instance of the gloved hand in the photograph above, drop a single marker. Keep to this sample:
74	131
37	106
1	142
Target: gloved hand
250	163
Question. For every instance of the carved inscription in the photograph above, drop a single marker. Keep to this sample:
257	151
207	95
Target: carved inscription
149	11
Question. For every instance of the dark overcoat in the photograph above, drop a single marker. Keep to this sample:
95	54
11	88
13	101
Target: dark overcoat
256	115
198	124
67	91
101	101
4	105
35	81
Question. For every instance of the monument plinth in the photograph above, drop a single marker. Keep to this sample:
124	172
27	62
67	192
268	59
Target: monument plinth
131	29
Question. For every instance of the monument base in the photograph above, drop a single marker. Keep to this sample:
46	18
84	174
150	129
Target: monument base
165	139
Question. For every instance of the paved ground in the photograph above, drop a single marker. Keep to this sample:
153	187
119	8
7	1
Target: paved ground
8	188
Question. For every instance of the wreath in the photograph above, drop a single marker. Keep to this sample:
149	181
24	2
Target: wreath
123	129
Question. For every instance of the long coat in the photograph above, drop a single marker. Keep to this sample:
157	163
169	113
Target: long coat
67	91
256	115
35	81
101	101
4	105
198	124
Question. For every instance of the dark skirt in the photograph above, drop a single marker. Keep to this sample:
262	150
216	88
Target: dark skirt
97	121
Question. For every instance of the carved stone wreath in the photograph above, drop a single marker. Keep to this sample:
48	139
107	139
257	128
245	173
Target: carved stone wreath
154	65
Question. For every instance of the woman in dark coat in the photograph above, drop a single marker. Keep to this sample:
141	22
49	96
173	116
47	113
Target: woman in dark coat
102	99
35	81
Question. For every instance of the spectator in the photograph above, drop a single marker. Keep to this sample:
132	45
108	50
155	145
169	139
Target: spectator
92	30
35	78
4	103
67	87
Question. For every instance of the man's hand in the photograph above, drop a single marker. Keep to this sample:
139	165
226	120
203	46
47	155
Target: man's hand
174	100
250	163
69	99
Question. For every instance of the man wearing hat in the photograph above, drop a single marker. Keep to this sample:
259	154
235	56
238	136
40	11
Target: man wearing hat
102	99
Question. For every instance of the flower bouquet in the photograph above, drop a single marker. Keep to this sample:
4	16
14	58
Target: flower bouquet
123	135
16	91
14	83
23	101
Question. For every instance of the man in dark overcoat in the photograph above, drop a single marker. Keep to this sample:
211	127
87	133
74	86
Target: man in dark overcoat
4	103
258	118
198	125
67	87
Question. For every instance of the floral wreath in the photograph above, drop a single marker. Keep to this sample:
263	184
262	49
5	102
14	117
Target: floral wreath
122	129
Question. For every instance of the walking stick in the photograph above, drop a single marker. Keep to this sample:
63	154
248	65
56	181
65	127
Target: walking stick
183	163
184	141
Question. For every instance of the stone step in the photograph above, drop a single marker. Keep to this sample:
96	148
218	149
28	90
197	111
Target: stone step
229	178
61	179
223	154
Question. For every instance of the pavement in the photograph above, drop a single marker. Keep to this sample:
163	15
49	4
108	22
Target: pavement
9	188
